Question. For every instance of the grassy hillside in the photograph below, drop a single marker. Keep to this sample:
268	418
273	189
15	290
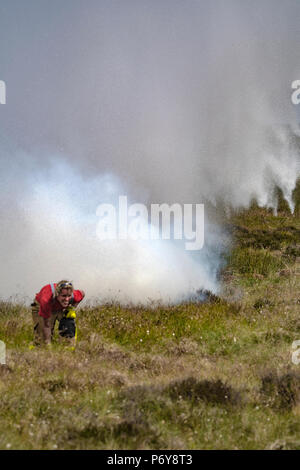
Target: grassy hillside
210	375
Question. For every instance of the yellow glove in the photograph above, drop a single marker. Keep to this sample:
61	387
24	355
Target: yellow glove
70	313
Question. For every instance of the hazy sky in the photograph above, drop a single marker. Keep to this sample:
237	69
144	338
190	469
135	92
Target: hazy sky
173	100
111	82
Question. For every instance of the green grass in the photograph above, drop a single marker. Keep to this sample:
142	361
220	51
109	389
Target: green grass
213	375
253	261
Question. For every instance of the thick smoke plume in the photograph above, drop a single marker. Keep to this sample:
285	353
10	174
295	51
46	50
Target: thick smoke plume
167	101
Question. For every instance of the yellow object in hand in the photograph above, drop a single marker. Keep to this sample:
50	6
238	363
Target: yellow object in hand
71	313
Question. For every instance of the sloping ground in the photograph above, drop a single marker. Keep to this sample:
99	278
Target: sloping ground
208	375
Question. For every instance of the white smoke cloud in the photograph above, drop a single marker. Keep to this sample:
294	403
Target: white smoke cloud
54	236
161	101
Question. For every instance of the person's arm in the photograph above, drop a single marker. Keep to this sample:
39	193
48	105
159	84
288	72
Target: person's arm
79	297
44	298
47	330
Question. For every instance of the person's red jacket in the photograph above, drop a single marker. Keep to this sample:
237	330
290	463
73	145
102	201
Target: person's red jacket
48	304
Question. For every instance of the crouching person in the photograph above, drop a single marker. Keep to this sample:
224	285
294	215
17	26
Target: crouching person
55	302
